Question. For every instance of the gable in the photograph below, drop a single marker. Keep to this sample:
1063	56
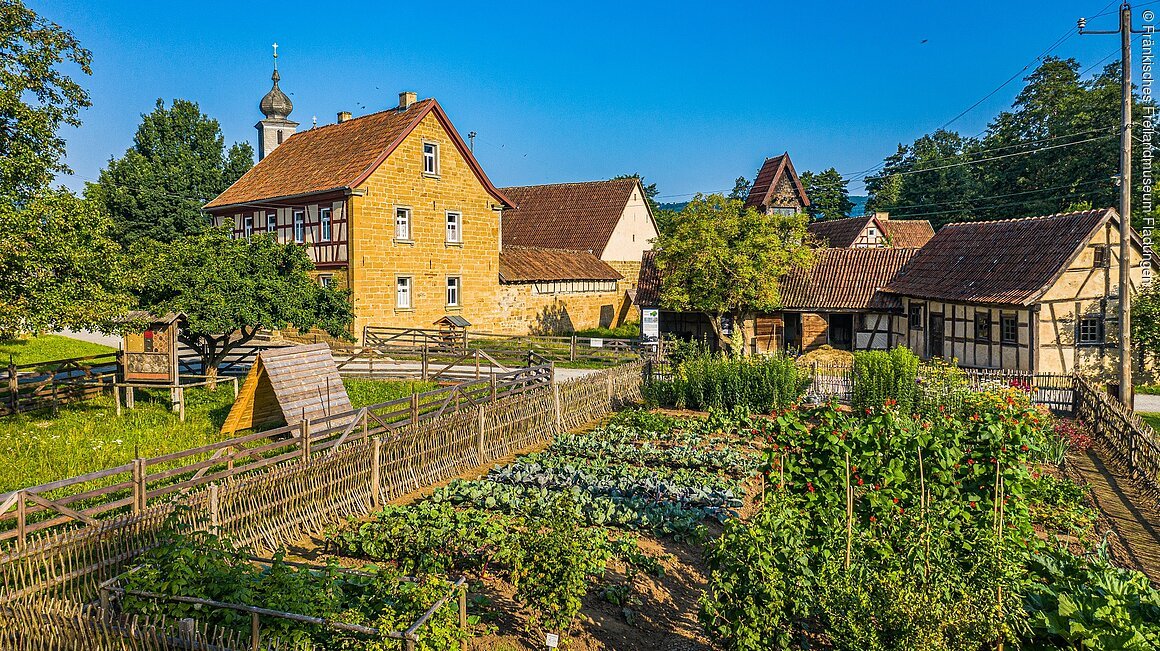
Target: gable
573	216
777	181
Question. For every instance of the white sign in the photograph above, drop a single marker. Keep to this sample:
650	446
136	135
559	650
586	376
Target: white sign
552	640
597	343
650	323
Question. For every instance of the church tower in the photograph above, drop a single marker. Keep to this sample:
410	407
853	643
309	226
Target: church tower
276	106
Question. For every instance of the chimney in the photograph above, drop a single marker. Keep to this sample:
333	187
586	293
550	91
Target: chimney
882	216
406	99
343	116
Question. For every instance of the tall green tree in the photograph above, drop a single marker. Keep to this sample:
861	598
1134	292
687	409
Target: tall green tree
37	98
829	194
177	163
740	189
721	259
61	268
230	289
1057	146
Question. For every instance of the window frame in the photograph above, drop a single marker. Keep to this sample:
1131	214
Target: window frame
325	225
272	223
325	280
1006	320
299	226
454	286
248	226
1100	335
983	323
914	317
404	286
408	222
458	230
1101	256
434	158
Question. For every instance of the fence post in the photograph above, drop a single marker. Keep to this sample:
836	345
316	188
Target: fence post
254	629
494	388
425	362
556	404
55	399
21	517
214	515
376	453
235	381
479	437
140	499
181	403
13	385
117	397
414	408
304	439
463	616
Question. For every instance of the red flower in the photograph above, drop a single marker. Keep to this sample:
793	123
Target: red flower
873	519
859	481
972	505
895	500
901	510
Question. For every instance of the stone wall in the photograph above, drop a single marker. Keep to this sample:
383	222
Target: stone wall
378	259
526	312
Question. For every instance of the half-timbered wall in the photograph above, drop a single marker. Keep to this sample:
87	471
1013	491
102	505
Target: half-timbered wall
973	335
324	253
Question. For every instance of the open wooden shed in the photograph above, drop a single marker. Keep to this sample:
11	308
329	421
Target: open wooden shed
286	385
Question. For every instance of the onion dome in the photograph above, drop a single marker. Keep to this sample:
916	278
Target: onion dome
276	105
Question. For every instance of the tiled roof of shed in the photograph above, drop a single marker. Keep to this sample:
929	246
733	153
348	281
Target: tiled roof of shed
842	233
338	156
908	233
846	279
648	283
574	216
519	264
1009	262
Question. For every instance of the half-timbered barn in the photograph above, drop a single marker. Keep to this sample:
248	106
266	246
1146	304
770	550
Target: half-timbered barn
1036	294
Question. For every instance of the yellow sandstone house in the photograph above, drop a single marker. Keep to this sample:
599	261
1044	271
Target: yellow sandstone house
394	207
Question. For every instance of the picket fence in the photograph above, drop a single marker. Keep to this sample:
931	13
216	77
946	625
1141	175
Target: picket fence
297	496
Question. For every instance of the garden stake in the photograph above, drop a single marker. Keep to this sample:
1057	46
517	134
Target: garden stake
849	513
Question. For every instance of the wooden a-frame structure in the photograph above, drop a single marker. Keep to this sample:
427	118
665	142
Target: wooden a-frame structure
286	385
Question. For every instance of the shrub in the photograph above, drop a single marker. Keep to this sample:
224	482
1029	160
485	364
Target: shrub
881	376
940	385
759	384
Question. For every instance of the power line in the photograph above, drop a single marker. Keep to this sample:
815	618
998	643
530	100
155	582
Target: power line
994	158
1071	186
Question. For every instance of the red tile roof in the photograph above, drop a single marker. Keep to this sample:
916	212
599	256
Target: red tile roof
768	177
1009	262
908	233
841	279
338	157
518	264
843	233
574	216
846	279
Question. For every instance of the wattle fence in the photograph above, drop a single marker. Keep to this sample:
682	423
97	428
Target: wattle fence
307	491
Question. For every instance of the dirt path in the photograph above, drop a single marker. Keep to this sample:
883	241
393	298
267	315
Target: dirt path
1131	514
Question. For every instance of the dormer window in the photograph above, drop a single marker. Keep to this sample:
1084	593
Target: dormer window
431	158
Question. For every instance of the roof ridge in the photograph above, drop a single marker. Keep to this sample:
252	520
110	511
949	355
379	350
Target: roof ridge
1058	215
393	109
544	185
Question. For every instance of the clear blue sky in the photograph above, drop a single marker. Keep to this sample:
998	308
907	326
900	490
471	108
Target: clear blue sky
690	95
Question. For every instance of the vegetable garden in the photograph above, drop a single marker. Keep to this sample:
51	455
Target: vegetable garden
925	517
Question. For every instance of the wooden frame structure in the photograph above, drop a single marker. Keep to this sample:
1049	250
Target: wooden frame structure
289	385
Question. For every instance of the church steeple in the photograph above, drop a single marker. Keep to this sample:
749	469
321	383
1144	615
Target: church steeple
276	106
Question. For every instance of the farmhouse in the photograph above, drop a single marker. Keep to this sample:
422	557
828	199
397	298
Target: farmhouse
1036	294
876	230
394	207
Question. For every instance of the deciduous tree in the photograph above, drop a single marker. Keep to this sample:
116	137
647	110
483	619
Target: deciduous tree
61	268
230	289
177	163
721	259
37	97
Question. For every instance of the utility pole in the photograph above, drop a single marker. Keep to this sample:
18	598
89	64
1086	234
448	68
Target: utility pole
1125	262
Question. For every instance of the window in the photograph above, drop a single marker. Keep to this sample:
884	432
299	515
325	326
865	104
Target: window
1091	331
248	226
1009	329
324	221
279	136
431	158
1100	257
299	226
983	326
916	317
403	224
454	233
271	222
326	280
403	292
784	212
452	290
871	232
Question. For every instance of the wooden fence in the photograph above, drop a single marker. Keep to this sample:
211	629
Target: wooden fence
311	486
1131	441
43	385
503	347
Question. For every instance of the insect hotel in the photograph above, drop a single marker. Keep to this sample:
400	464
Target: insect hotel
149	360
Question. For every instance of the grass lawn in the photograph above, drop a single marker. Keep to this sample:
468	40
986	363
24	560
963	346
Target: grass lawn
36	448
628	330
1153	420
46	348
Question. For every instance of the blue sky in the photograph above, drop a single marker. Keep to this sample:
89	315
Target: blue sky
691	95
